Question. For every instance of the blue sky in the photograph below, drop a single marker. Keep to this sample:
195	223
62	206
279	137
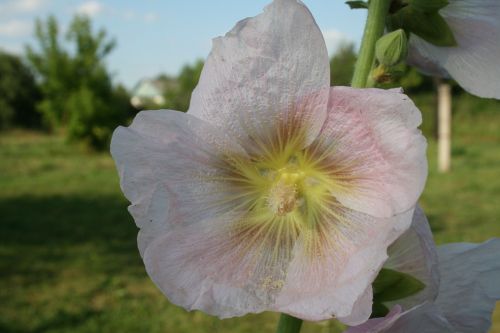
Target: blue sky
159	36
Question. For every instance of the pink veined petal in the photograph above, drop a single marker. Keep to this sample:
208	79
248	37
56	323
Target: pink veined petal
339	282
171	170
268	71
204	266
373	137
474	63
415	253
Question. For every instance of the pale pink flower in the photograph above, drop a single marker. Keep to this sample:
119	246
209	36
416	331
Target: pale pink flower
475	62
274	192
466	293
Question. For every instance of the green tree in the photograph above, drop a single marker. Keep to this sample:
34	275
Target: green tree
77	88
342	65
178	91
18	93
53	67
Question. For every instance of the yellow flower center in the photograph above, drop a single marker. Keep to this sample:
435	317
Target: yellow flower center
285	192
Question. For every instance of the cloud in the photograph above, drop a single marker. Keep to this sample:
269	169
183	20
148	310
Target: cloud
15	28
131	15
333	39
150	17
20	6
90	8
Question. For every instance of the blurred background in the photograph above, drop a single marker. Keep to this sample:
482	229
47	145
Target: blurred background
71	71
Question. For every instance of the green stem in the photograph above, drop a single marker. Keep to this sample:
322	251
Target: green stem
289	324
374	28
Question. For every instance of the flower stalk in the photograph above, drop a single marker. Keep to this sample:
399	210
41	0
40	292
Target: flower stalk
289	324
374	28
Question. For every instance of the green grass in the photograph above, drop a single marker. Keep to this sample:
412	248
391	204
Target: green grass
68	256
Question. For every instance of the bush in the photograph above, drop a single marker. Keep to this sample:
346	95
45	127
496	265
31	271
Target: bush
18	94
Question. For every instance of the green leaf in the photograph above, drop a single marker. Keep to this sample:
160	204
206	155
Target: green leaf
379	310
391	285
429	26
428	6
355	4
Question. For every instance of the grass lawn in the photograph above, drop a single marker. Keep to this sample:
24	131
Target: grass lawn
68	257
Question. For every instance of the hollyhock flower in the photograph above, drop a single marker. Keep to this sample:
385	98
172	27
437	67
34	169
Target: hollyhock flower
274	192
475	62
466	293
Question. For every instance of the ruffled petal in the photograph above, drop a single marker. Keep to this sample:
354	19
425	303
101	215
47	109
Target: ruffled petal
374	149
216	266
172	170
269	71
474	63
339	278
415	253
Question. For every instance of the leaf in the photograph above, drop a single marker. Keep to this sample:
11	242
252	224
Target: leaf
428	6
429	26
356	4
391	285
379	310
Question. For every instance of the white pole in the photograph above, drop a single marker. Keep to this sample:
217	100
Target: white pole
444	127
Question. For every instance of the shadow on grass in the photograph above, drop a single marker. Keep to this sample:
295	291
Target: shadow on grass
61	220
62	320
38	235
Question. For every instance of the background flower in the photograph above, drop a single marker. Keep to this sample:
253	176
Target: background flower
474	63
467	291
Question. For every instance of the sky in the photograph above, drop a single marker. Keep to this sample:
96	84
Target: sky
160	36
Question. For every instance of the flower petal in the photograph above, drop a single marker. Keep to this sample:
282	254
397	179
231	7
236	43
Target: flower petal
470	275
474	63
371	136
420	319
377	324
208	266
269	71
415	253
339	280
171	170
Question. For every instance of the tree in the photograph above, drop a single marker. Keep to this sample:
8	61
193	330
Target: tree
178	92
52	65
342	65
77	88
18	93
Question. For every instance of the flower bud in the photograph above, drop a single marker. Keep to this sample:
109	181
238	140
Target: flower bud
392	48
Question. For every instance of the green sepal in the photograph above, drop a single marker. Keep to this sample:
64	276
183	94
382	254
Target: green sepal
431	27
428	6
379	310
357	4
391	285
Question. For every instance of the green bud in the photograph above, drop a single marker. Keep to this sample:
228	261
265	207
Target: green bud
392	48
